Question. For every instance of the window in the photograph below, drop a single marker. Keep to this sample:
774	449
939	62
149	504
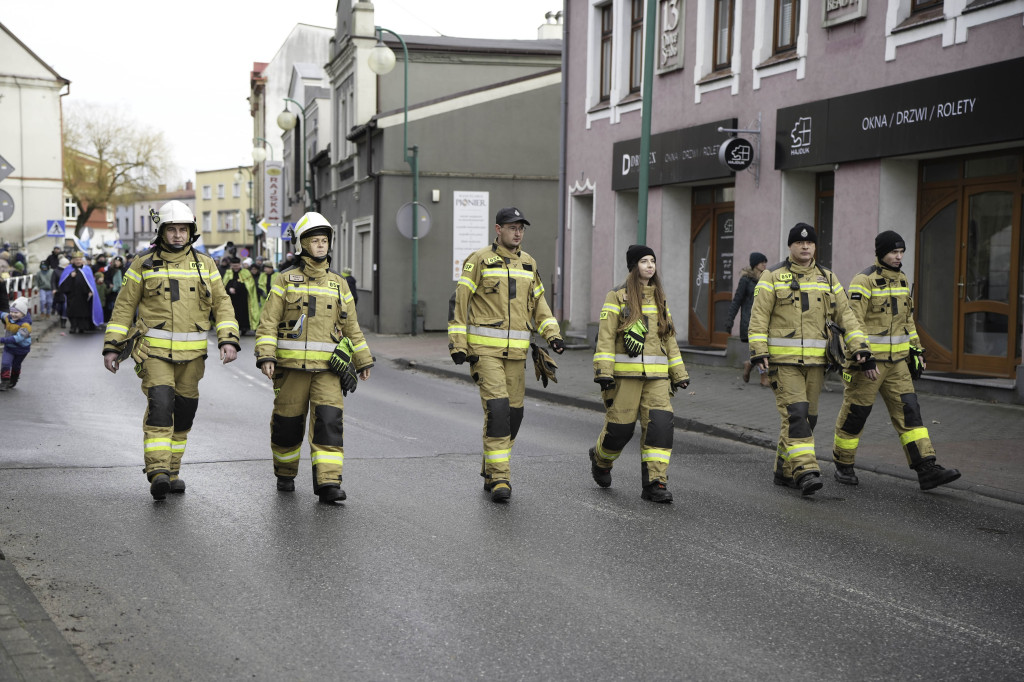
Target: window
220	190
606	53
236	189
824	199
207	223
787	15
207	192
722	44
226	221
636	45
70	209
923	5
362	261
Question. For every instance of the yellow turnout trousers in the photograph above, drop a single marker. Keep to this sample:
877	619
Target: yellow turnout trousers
502	384
297	392
897	389
796	395
646	400
172	394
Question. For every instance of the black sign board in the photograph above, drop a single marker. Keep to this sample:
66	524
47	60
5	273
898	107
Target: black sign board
976	106
736	153
685	155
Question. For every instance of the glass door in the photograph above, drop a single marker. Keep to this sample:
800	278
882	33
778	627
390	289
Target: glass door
711	262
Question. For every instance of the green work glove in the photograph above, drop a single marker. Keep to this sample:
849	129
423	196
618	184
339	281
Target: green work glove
633	338
341	364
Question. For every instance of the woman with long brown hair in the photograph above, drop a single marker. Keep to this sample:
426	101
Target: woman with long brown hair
639	367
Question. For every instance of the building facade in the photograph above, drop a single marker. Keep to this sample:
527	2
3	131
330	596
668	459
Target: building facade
856	117
478	119
31	148
224	209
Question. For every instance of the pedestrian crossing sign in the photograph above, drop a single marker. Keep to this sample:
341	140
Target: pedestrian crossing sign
54	228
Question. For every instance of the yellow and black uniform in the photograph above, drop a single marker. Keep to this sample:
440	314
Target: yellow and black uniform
639	387
880	298
498	303
308	312
787	326
169	299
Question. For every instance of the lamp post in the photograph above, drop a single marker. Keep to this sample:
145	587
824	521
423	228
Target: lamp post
287	120
252	209
381	62
259	151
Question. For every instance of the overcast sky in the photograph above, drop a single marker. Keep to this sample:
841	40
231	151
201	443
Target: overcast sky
182	67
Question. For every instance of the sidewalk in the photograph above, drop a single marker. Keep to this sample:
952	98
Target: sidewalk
983	440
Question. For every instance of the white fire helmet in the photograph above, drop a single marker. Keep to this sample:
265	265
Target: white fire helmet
175	211
309	223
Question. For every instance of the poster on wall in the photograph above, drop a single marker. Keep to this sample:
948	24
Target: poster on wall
471	226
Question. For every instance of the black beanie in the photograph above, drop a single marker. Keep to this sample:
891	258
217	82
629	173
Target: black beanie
757	258
802	232
888	241
635	253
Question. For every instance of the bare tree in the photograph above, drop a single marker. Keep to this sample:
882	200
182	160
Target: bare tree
109	160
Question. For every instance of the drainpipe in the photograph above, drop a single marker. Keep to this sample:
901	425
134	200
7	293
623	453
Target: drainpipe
560	239
645	122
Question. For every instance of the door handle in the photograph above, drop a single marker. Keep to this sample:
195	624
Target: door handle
961	290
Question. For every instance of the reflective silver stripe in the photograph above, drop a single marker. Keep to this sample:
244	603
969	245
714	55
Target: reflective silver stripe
177	336
798	343
307	345
888	340
656	360
499	333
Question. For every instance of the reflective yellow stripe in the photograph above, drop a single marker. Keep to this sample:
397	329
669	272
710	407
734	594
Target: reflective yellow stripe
611	308
304	355
547	323
758	337
456	329
132	275
631	367
221	326
326	457
604	357
796	450
268	340
796	352
498	343
117	328
171	344
277	289
497	455
859	289
655	455
291	456
156	444
675	361
913	434
468	283
846	443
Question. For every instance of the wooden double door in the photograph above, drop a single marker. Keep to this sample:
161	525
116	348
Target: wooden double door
711	256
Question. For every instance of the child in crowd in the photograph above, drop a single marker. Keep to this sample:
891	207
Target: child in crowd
17	342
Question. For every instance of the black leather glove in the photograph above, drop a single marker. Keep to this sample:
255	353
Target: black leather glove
607	383
557	345
868	364
861	357
676	385
458	358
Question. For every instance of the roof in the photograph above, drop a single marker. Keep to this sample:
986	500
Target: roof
454	44
34	55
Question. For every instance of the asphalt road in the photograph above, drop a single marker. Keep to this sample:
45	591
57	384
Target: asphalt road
418	576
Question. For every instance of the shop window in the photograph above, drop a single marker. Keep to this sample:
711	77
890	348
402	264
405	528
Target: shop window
605	78
824	200
722	36
636	45
787	15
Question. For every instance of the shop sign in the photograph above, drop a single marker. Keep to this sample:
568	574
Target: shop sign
966	108
736	153
677	156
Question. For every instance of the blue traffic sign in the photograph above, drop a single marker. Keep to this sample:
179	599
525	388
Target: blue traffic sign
54	228
286	229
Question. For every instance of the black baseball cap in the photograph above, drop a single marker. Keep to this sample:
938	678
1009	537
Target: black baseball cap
510	215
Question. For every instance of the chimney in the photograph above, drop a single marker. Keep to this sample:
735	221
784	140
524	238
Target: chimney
161	189
551	29
188	186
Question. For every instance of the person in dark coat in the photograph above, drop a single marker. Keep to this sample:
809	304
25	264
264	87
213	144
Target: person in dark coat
742	302
84	309
347	274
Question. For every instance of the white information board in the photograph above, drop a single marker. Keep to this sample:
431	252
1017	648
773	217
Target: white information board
472	226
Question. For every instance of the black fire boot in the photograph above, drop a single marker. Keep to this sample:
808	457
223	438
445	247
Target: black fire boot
656	492
809	483
285	484
846	474
501	491
177	486
330	493
159	486
931	475
602	476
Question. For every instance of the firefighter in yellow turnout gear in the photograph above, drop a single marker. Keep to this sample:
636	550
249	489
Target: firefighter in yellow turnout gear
880	297
175	292
498	303
793	301
310	345
638	365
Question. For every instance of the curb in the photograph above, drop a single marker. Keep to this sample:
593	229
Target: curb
754	438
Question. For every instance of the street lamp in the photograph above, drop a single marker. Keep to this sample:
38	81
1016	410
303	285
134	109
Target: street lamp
259	151
252	209
287	120
381	62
